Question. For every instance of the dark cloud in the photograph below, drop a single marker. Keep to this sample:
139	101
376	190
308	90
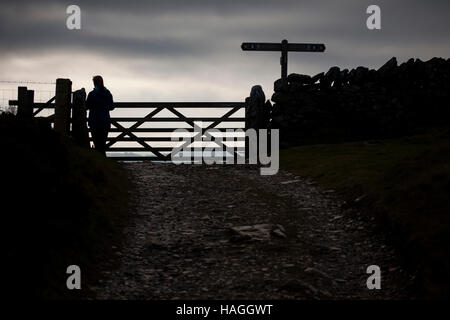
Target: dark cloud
199	27
200	38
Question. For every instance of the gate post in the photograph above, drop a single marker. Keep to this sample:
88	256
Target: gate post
79	128
257	113
62	105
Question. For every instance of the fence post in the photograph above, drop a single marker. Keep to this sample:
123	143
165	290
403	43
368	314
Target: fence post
62	105
29	104
21	101
25	103
79	127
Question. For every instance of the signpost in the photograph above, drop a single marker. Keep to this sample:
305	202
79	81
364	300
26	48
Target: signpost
284	47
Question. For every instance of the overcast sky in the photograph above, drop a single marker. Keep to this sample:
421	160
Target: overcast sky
190	50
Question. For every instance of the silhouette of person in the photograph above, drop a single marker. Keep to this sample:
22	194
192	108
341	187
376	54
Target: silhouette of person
99	102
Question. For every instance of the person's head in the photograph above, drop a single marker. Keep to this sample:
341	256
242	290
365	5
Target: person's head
98	82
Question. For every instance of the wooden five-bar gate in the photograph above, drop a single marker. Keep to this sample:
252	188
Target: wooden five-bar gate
150	132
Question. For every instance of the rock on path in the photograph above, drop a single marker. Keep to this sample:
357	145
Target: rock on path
226	232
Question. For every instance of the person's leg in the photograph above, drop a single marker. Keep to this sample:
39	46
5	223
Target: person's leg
103	137
97	138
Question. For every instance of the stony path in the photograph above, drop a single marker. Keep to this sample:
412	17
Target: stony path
180	245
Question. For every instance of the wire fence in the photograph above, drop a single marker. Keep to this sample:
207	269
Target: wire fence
25	82
43	91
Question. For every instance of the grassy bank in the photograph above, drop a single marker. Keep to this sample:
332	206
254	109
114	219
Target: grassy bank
405	182
61	205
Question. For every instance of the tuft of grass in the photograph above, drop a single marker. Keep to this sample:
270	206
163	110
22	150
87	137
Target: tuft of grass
61	205
404	181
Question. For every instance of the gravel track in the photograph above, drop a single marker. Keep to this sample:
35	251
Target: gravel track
179	243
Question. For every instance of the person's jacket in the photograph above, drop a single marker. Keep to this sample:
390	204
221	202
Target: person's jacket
99	102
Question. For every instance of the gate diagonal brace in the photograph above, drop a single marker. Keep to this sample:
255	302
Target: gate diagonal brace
127	131
140	141
203	131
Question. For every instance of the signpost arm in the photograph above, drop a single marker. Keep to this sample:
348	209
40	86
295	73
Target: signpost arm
284	47
284	59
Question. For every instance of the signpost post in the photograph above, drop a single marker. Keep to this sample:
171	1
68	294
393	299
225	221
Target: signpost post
284	47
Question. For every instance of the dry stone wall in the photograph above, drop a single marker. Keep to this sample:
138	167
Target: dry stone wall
344	105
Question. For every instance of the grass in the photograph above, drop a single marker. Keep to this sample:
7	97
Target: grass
61	205
405	182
